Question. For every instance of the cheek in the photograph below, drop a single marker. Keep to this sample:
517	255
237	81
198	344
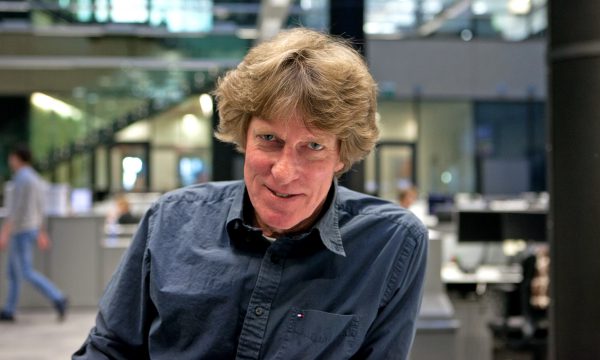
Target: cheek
319	177
254	163
327	167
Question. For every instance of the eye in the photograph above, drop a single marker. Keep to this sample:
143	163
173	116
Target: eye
315	146
267	137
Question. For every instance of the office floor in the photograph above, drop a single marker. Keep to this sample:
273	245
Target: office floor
474	339
37	335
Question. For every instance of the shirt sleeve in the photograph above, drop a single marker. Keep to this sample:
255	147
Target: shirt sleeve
125	310
392	333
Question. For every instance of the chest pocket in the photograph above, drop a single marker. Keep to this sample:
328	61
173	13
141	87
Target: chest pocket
313	334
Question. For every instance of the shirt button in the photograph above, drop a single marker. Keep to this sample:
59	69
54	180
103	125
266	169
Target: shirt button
259	311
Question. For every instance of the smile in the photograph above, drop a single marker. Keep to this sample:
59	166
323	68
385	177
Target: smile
280	195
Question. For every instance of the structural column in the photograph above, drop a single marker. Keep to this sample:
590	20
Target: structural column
227	163
574	174
346	19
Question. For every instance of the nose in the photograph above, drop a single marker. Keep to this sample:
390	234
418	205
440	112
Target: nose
286	167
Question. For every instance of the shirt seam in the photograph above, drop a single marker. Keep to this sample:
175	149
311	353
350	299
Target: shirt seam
399	267
152	213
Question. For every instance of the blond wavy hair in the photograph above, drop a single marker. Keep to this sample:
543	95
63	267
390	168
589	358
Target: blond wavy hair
306	73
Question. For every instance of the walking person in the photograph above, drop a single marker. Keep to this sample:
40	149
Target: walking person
23	225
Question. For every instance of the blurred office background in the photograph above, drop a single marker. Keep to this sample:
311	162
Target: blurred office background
114	98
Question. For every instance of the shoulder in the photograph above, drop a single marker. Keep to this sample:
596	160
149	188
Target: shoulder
211	192
198	200
194	208
392	238
26	177
373	211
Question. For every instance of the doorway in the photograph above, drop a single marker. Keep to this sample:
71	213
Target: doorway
395	165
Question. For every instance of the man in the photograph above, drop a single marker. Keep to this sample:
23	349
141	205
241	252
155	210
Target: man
285	264
23	225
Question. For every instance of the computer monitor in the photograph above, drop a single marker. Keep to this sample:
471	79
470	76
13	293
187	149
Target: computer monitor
81	200
490	226
441	206
525	225
479	226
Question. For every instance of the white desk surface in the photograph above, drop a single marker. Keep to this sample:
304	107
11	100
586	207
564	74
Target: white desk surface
485	274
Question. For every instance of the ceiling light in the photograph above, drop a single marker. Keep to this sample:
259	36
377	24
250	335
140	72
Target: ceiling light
206	105
48	103
306	4
479	8
519	7
280	3
432	7
191	125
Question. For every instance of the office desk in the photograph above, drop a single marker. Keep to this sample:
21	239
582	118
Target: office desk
72	262
483	276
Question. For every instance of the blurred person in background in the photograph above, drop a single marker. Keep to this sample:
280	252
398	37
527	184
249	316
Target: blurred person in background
407	196
24	224
121	213
286	264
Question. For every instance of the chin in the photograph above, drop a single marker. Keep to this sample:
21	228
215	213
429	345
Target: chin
280	227
278	224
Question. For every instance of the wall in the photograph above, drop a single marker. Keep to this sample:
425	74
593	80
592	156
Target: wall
446	143
449	69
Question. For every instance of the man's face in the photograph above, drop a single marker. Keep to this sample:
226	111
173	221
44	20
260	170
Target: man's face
288	171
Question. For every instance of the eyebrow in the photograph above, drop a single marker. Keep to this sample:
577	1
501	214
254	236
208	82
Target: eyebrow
267	127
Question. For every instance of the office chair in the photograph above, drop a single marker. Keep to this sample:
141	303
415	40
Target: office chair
522	327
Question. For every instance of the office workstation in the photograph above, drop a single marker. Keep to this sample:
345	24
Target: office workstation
496	265
487	244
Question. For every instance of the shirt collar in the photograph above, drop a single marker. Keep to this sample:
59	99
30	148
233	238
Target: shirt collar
236	211
327	227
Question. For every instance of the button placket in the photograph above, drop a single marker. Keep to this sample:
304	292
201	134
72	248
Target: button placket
257	315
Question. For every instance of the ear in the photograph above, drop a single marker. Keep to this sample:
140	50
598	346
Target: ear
338	167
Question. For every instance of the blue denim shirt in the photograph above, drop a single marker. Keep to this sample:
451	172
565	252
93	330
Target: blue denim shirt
199	282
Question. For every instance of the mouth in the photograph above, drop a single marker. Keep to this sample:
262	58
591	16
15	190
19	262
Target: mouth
280	195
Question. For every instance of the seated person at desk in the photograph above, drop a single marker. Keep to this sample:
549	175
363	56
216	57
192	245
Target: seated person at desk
286	263
122	212
407	196
124	215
